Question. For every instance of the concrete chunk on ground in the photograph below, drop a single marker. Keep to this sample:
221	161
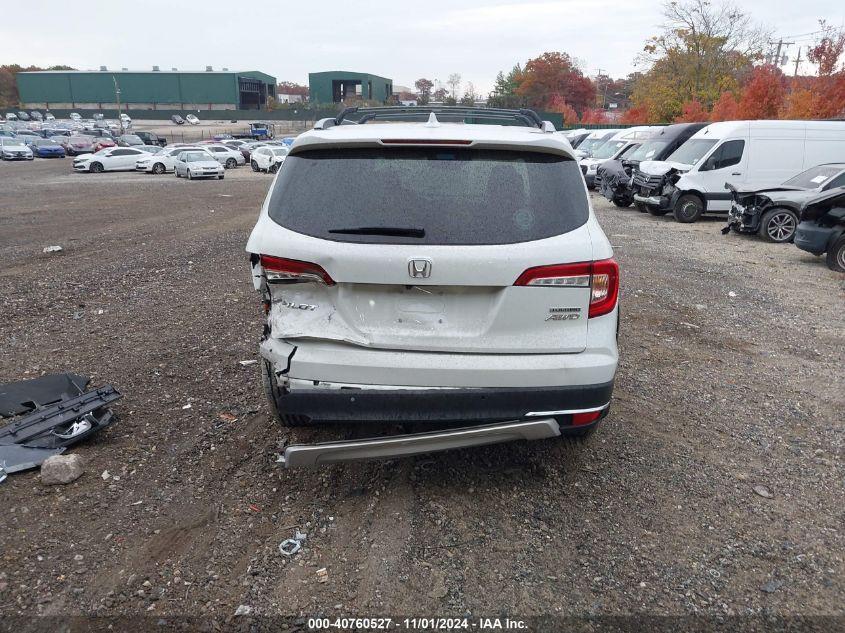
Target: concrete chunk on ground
61	469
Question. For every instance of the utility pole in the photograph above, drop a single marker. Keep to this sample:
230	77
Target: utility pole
778	60
117	98
604	96
797	61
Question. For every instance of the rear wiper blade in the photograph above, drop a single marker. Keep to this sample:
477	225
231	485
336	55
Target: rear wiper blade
381	230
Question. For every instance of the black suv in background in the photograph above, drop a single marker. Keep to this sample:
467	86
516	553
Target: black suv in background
151	138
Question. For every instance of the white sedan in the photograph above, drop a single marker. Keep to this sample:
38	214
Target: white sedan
192	119
197	164
109	159
226	156
268	158
164	160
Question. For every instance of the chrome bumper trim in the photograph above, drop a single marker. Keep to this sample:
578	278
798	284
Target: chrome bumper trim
534	414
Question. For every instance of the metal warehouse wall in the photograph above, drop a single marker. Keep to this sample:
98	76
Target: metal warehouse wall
166	88
320	85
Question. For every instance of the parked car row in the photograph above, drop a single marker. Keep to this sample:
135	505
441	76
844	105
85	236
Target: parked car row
188	118
781	180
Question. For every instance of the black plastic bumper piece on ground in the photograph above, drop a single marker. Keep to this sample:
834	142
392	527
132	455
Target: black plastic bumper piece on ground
435	406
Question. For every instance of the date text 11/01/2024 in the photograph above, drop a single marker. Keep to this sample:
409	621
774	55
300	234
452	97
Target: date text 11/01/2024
422	623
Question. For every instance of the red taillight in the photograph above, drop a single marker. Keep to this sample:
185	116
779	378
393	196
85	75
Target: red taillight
605	287
279	269
580	419
602	277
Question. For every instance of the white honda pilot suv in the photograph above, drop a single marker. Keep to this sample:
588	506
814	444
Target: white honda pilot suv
444	274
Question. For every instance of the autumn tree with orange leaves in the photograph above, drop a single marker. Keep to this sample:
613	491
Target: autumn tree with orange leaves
553	74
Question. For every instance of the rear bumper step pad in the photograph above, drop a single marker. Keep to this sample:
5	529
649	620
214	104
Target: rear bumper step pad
312	455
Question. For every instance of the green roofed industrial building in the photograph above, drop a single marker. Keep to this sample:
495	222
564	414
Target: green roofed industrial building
146	90
334	86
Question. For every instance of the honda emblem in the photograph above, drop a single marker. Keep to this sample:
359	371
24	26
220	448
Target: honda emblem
419	268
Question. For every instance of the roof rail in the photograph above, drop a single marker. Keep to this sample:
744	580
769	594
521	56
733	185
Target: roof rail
358	115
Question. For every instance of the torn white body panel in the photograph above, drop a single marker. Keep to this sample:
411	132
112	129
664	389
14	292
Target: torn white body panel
349	364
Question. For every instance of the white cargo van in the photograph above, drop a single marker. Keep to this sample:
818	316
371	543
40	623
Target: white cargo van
692	180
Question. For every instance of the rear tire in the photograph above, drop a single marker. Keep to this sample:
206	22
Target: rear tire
688	208
778	225
836	255
273	393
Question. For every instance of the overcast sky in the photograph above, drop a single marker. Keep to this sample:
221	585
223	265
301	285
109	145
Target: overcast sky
398	39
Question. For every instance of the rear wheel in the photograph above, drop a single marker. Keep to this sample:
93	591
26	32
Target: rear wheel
778	225
158	168
254	166
231	163
274	393
688	208
836	255
97	168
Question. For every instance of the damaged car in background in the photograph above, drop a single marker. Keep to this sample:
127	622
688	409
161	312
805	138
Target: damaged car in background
773	212
822	227
614	177
455	282
614	148
692	180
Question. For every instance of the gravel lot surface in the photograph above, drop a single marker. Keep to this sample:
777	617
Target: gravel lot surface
731	378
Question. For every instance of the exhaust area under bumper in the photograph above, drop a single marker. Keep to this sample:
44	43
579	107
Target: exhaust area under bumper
311	455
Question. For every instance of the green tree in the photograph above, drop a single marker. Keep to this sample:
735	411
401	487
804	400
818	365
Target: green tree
424	87
504	94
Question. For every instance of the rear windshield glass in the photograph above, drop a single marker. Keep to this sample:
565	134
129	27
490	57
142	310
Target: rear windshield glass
433	195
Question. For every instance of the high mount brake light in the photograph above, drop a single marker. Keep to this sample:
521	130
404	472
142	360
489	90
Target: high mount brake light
602	277
424	141
281	270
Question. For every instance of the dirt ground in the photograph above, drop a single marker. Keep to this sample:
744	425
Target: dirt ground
731	377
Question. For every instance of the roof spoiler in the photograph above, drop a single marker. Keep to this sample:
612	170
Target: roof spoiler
357	115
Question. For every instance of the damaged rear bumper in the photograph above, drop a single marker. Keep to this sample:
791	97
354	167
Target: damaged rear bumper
404	445
342	404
